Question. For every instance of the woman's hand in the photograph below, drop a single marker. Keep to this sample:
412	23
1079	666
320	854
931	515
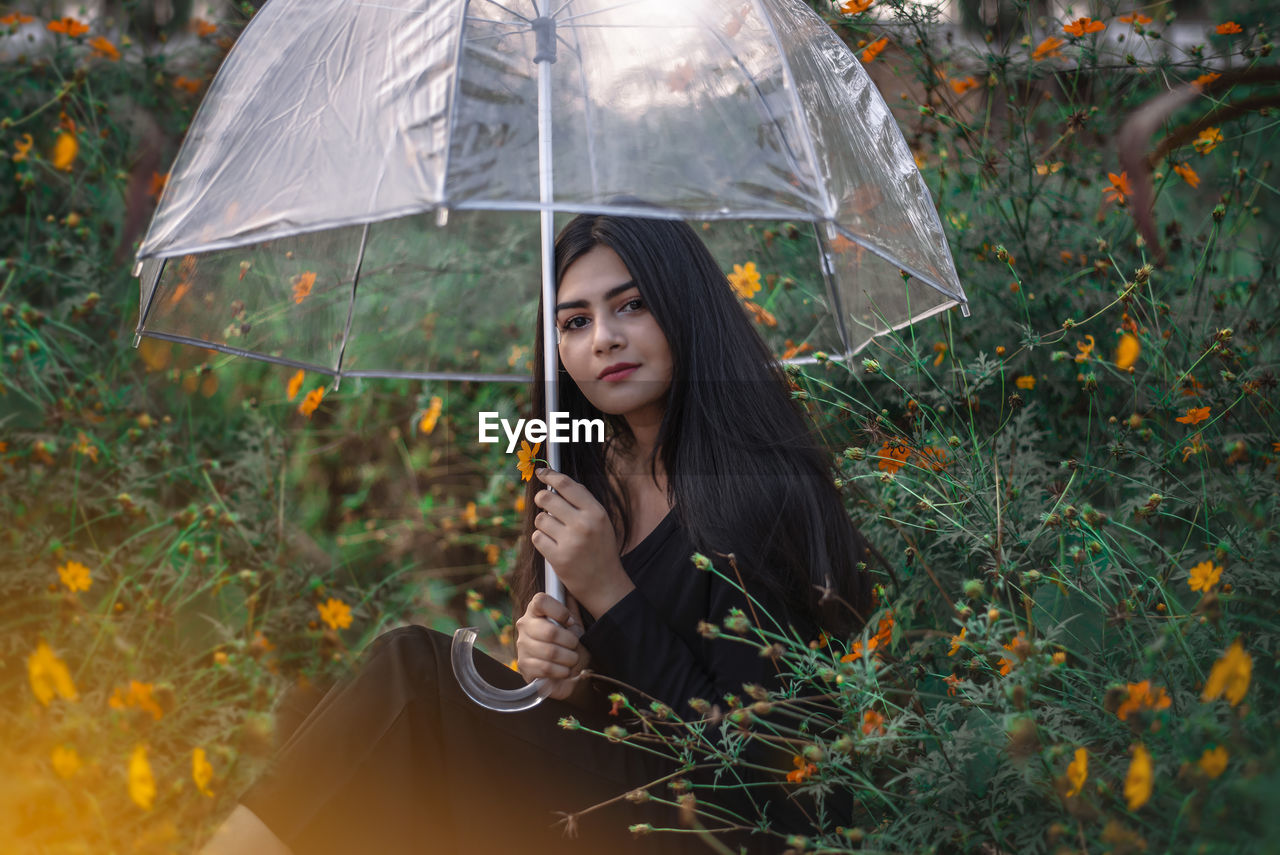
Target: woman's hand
574	534
546	650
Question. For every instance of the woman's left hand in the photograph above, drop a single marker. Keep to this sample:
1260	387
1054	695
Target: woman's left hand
574	534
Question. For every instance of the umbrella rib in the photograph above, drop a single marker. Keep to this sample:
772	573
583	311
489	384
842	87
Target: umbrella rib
833	293
517	24
596	12
351	306
510	12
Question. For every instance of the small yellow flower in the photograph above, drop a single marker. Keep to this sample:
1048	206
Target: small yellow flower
139	695
491	553
22	148
1229	676
1078	772
49	676
142	785
335	613
1208	140
1213	762
1204	576
295	384
1140	779
431	415
312	401
75	576
201	771
469	515
1127	351
1188	174
1026	381
65	149
526	456
66	761
745	279
956	641
302	285
1085	348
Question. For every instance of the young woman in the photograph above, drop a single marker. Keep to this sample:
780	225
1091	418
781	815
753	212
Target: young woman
705	452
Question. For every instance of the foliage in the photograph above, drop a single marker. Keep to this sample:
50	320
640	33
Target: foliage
1073	490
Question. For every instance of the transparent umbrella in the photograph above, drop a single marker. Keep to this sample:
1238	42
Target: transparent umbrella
357	194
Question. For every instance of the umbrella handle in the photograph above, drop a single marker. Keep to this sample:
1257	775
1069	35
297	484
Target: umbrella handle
490	697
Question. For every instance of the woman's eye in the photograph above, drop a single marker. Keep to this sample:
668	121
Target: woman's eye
637	302
569	325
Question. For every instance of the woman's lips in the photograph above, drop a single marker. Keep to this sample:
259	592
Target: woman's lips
619	375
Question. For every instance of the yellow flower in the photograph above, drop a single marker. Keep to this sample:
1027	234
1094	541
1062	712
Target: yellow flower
335	613
956	640
22	148
142	786
492	552
313	399
1048	168
139	695
1078	772
1230	675
103	48
469	515
1142	696
1213	762
65	149
49	676
1188	174
201	771
1204	576
1139	780
295	384
873	50
1208	140
66	761
75	576
431	415
745	279
526	457
1127	351
1026	381
940	348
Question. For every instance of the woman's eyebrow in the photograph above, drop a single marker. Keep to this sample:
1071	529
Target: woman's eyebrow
609	295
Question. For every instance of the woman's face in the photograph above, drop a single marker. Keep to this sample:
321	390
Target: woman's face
610	343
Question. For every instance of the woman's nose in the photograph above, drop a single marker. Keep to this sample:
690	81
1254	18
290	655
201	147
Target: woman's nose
608	336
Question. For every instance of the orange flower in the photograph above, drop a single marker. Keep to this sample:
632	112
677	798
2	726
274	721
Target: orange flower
1229	676
1026	381
1207	140
1078	772
1191	386
855	7
1119	188
75	576
1082	26
335	613
794	349
1194	416
892	456
188	84
1019	648
302	284
156	186
872	722
138	695
956	640
1134	18
874	49
1127	351
953	683
295	384
939	348
22	148
103	48
1142	697
1213	762
431	415
65	149
1194	447
803	770
1047	48
14	19
1205	79
1085	347
884	634
313	399
962	86
68	27
1188	174
1228	29
1204	576
203	28
1048	169
933	458
760	314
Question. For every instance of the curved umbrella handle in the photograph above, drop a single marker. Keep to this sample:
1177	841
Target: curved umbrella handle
490	697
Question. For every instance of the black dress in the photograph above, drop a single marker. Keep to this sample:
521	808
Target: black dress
397	759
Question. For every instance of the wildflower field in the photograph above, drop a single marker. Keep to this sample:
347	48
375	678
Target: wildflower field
1072	494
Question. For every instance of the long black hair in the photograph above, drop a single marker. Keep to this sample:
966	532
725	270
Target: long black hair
745	473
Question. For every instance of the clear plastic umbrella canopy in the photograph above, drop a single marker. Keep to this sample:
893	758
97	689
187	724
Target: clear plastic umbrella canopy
360	191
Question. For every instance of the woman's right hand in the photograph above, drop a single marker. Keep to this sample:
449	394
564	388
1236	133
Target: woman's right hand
549	651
